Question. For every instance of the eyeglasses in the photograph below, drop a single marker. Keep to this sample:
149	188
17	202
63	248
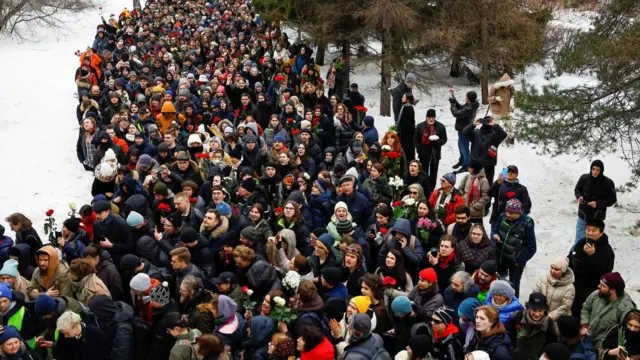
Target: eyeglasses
437	321
289	208
413	192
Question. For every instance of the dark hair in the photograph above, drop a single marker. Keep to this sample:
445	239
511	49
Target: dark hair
190	184
385	211
85	210
312	337
174	319
398	272
92	250
260	209
454	244
463	210
410	98
19	218
375	284
210	345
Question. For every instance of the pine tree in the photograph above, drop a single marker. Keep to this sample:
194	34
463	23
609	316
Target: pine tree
592	117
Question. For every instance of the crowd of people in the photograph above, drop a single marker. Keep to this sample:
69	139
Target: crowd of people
245	206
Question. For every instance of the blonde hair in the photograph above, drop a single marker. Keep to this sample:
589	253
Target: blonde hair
67	320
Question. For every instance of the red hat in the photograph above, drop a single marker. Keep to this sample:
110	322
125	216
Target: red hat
614	281
429	274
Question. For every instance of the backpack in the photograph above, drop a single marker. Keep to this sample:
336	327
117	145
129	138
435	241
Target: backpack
187	342
380	354
140	338
418	326
322	321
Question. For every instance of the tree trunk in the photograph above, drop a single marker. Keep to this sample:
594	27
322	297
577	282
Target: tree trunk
136	4
485	82
346	67
456	60
320	52
385	75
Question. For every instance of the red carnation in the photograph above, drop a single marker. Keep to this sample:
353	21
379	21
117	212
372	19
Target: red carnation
388	281
189	128
49	212
397	203
295	131
216	119
384	231
278	210
164	208
289	120
510	194
236	112
202	156
245	289
193	200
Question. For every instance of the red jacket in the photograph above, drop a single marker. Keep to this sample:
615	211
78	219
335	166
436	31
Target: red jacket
324	351
450	207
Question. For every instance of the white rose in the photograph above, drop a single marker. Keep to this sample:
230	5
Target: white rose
434	137
386	148
279	301
249	292
410	202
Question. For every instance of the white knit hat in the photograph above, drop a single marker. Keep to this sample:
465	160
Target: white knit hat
140	282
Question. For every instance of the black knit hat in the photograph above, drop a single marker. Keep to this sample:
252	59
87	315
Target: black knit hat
188	235
331	275
420	346
72	224
557	351
568	326
490	267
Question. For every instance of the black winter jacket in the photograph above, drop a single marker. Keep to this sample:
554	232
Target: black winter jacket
602	190
116	321
92	345
481	140
464	114
432	148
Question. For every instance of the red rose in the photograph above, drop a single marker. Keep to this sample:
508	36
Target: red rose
193	200
189	128
295	131
397	203
216	120
236	112
164	208
278	210
388	281
384	231
510	194
289	120
245	289
49	212
202	155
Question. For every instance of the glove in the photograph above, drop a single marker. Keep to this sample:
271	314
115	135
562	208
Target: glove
499	98
434	137
452	100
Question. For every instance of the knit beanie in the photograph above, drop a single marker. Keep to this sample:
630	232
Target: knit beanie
10	332
144	161
362	303
468	307
561	262
140	282
161	188
160	294
226	307
129	262
340	205
10	267
5	291
249	185
401	305
344	226
431	113
331	275
490	267
134	219
72	224
557	351
188	235
614	281
321	184
502	287
45	305
450	178
514	206
429	274
568	326
327	241
224	209
445	314
335	308
420	346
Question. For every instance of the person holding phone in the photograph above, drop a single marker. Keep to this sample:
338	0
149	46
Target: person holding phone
630	326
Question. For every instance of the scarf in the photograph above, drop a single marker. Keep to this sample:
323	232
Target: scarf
444	262
469	329
483	287
429	130
529	320
498	307
449	330
286	349
474	189
81	289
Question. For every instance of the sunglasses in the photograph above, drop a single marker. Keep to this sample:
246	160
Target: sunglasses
413	192
437	321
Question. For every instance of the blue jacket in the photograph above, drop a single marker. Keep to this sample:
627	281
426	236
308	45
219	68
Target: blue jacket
370	135
359	207
301	61
5	245
414	257
321	208
262	327
134	187
505	312
145	148
518	240
338	292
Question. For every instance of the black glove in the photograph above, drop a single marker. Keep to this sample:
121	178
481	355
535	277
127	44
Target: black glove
452	100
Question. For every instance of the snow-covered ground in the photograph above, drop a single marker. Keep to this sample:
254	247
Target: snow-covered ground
39	133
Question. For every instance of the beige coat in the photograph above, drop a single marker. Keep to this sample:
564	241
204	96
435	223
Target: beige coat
560	293
94	286
477	206
21	285
501	107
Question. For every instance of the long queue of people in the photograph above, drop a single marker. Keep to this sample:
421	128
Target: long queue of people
245	206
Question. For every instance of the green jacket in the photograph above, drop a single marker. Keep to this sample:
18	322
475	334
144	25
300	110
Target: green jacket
600	314
184	344
60	278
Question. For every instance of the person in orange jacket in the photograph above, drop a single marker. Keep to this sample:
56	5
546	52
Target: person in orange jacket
167	116
446	199
96	61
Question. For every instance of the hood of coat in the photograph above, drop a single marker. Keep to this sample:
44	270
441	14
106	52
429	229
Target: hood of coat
262	328
290	237
261	275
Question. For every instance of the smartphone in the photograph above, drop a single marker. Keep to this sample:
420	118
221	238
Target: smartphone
434	251
504	173
590	242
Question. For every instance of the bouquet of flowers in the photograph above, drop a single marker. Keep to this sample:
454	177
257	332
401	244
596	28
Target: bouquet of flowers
291	281
441	212
425	227
315	125
397	185
388	281
405	209
361	112
281	312
51	228
291	125
391	161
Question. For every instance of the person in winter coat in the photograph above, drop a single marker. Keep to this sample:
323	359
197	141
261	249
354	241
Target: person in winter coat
595	193
446	199
557	286
79	340
591	258
445	261
502	297
515	238
475	249
462	287
506	188
325	255
358	204
85	283
406	125
604	308
162	305
465	115
345	128
402	240
112	232
259	334
14	311
232	327
116	320
409	321
531	329
182	266
490	335
475	190
167	116
426	295
630	326
106	271
399	91
363	344
312	345
184	347
26	234
485	137
429	137
9	274
446	345
51	276
13	347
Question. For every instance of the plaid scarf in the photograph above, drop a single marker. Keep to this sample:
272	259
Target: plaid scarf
429	130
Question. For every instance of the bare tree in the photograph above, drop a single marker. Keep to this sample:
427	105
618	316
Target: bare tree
20	17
